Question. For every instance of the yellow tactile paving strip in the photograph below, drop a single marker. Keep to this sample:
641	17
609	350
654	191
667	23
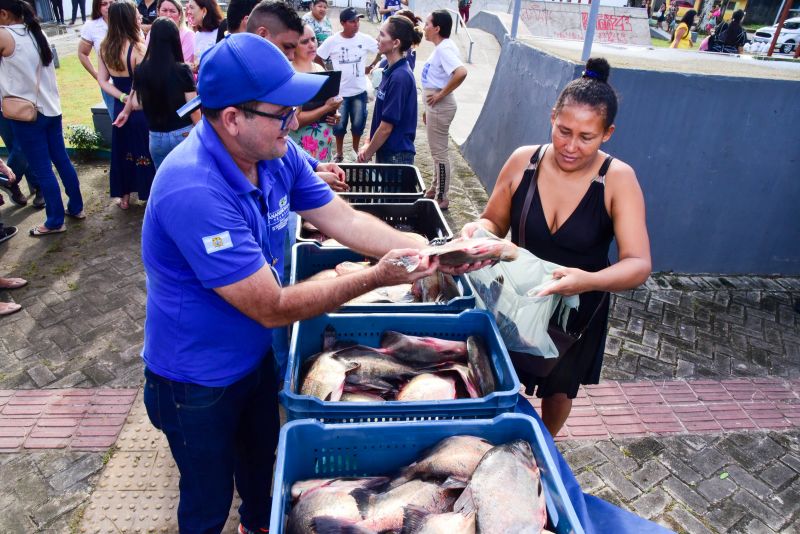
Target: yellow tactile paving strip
138	489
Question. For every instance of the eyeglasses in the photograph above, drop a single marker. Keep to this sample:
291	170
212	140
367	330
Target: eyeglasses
285	119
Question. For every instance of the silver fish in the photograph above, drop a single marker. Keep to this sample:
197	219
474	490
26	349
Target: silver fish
321	501
325	377
384	511
360	396
377	363
465	383
480	366
419	521
342	483
423	350
506	492
400	293
427	387
456	457
470	250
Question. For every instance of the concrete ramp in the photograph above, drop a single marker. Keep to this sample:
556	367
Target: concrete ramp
655	33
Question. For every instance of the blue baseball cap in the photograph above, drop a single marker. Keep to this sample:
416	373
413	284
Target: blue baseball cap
244	67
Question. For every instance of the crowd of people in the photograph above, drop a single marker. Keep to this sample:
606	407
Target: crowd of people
222	148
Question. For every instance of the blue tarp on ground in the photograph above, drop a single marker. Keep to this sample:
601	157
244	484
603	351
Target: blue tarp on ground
596	515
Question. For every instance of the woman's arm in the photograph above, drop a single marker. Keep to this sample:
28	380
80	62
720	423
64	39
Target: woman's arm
381	135
131	104
496	218
84	49
103	77
679	33
630	230
458	77
304	118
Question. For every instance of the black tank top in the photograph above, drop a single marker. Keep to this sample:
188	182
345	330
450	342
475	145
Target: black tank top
583	239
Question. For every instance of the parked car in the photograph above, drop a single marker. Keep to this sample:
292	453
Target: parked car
787	40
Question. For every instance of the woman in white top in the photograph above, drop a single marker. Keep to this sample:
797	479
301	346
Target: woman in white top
92	34
173	9
26	72
441	75
206	17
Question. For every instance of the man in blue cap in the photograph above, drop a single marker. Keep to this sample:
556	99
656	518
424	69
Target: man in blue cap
212	247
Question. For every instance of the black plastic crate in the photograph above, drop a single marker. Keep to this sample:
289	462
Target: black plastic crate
423	217
382	183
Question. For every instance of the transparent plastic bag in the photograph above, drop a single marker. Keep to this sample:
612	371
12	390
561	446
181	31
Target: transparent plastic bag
508	290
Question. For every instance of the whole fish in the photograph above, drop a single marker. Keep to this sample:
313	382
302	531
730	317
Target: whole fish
361	396
427	289
423	350
390	294
455	457
428	387
322	501
376	364
342	483
384	511
465	384
469	250
419	521
506	492
325	377
356	383
480	367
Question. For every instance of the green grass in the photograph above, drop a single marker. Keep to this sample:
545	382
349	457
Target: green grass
659	43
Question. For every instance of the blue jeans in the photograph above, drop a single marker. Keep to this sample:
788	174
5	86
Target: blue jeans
396	158
219	435
108	100
42	142
16	159
162	143
353	108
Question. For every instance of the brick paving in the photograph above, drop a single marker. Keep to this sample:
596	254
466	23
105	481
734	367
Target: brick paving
707	365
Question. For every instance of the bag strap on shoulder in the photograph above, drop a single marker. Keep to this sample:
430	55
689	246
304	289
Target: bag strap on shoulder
533	169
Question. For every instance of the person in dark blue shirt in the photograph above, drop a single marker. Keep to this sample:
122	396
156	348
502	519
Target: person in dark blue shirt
394	119
212	248
390	7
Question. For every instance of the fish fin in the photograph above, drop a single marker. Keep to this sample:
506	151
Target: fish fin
413	519
363	498
465	504
335	525
454	483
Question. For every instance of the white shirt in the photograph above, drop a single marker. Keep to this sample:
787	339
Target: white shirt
350	57
440	66
94	31
203	41
18	74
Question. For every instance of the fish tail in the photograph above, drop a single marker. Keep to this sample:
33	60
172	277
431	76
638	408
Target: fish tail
413	519
335	525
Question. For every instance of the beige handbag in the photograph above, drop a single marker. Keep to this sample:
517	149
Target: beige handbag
16	108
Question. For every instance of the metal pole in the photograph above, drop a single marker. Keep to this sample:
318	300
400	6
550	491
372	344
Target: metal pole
515	18
591	25
786	7
778	14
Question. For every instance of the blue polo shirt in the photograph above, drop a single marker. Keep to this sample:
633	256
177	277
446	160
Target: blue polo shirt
396	103
207	226
391	3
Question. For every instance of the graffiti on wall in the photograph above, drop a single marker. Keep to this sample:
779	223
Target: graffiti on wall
570	21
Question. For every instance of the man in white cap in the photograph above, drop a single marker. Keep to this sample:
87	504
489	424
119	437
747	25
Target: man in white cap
212	247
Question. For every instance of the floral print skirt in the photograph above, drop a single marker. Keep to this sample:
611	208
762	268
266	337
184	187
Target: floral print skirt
317	139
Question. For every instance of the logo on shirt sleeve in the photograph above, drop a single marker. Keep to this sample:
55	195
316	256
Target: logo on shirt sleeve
215	243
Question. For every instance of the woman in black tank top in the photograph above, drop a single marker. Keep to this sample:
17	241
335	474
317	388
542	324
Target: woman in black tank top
565	202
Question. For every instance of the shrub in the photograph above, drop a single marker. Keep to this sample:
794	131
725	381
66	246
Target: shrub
84	141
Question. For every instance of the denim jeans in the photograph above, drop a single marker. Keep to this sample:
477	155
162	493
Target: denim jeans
396	158
108	100
42	142
353	108
162	143
219	435
16	159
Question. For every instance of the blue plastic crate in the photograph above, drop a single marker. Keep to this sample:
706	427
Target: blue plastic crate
382	183
309	449
367	329
310	258
422	216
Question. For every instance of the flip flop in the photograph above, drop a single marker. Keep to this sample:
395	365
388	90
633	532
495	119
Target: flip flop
37	232
12	283
123	206
80	215
7	308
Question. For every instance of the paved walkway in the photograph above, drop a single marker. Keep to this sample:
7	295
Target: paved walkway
695	425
